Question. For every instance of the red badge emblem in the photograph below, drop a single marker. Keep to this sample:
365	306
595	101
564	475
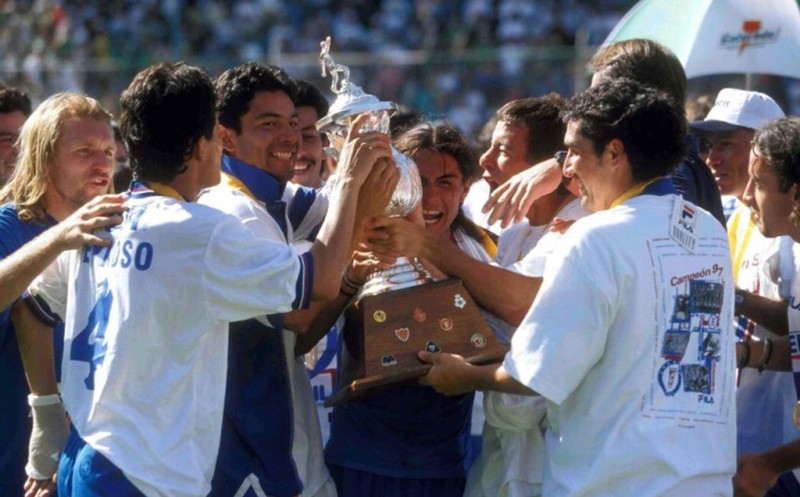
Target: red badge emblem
478	341
446	324
419	315
402	334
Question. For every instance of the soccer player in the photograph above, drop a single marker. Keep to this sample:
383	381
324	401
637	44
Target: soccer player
147	317
638	374
65	159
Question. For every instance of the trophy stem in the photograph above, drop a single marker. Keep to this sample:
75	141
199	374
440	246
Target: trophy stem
404	273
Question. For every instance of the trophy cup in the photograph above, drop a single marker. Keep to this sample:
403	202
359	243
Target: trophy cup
400	310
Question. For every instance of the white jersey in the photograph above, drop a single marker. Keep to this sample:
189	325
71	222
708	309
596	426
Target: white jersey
309	416
146	340
794	321
764	400
511	463
306	436
629	342
473	207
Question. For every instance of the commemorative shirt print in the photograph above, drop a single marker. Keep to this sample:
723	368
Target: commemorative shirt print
686	381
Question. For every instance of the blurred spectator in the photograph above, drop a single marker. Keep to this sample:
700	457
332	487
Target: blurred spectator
696	110
427	54
15	107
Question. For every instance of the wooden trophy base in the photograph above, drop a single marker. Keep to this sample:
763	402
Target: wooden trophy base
384	332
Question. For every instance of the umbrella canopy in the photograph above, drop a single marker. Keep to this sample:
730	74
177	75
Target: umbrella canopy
720	36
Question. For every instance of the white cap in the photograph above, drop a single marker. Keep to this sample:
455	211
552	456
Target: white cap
739	109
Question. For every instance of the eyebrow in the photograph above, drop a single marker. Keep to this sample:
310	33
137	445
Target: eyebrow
267	114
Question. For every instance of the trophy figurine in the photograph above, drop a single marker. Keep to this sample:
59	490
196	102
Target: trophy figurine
400	310
350	102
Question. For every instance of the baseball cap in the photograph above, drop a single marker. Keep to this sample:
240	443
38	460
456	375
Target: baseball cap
735	108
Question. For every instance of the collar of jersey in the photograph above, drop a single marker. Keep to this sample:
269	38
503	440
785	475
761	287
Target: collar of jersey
140	189
656	186
250	180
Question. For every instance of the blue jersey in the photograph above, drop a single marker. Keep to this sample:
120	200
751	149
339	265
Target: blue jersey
15	415
257	429
408	431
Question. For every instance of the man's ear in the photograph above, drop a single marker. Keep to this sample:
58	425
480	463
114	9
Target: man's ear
616	151
229	139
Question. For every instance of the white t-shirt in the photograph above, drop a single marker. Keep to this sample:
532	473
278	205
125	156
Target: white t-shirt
473	207
629	342
511	463
145	350
765	400
515	252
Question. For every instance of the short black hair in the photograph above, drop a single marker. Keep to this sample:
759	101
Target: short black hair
647	122
542	117
309	95
237	87
166	109
13	100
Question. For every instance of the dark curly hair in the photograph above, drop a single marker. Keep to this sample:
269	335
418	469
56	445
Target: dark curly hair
541	116
165	111
237	87
778	142
646	121
309	95
14	99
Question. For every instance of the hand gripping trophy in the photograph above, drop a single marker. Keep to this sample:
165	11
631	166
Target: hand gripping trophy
400	310
350	102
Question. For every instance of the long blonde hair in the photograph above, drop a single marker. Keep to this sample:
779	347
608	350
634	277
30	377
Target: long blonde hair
37	145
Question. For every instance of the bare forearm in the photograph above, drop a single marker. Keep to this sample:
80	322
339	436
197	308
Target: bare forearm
324	316
36	348
452	375
504	293
784	458
333	247
758	355
494	377
769	313
19	269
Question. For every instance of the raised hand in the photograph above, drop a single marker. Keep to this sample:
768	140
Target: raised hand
79	228
400	236
361	152
512	200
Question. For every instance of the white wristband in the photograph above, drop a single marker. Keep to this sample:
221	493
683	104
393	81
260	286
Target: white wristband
43	400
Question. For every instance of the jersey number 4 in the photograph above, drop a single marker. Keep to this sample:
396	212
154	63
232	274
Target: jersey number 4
90	344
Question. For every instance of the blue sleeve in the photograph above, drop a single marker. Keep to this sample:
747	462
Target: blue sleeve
694	180
301	203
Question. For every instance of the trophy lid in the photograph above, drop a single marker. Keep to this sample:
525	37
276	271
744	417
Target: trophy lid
350	98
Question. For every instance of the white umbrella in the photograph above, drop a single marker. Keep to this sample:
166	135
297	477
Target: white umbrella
720	36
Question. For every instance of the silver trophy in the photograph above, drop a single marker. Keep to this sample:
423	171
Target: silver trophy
350	102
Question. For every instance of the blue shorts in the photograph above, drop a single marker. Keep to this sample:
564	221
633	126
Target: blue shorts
84	472
351	482
787	486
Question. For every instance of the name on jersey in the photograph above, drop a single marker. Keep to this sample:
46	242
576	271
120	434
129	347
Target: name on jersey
716	269
122	253
794	344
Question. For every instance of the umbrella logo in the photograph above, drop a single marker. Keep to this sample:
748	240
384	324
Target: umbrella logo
751	34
